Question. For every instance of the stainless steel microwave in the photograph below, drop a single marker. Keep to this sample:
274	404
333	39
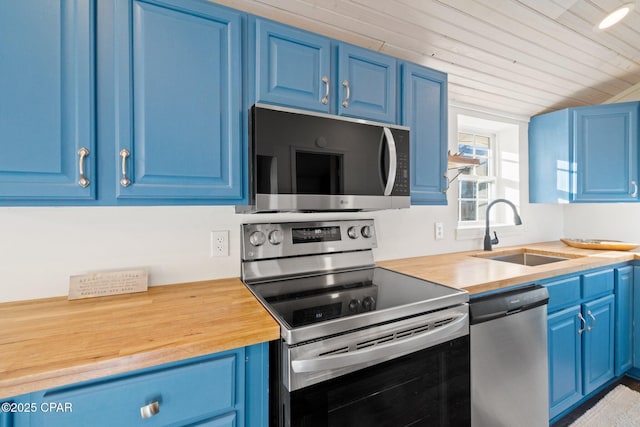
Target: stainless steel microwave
307	161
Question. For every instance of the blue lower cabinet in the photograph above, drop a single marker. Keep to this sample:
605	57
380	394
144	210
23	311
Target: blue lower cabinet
6	416
565	359
636	317
598	342
583	334
227	420
624	279
225	389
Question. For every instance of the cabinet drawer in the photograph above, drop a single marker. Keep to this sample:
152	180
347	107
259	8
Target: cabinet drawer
563	293
598	283
185	394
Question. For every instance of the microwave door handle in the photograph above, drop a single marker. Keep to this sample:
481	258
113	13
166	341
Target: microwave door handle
455	329
391	146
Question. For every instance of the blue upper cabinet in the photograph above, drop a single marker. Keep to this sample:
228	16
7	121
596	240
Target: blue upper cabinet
293	67
47	103
585	154
606	155
424	110
367	84
178	102
304	70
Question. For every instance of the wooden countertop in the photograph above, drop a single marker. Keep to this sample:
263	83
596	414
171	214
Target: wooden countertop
472	272
52	342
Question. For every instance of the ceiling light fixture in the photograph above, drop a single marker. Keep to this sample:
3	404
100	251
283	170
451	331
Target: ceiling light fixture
615	16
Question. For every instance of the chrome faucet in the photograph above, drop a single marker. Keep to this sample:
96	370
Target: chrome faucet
488	241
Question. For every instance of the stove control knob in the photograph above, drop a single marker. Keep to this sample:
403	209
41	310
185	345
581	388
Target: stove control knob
257	238
276	237
366	231
352	232
368	303
354	304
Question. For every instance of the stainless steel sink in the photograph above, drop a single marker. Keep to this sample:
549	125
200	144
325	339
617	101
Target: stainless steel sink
527	258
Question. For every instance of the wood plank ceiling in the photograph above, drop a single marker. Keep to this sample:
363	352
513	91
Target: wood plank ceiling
522	57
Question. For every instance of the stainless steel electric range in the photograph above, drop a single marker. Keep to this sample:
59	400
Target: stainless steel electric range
360	344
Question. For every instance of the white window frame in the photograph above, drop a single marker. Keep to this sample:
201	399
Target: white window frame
490	178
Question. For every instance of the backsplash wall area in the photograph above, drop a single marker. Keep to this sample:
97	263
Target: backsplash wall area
41	247
609	221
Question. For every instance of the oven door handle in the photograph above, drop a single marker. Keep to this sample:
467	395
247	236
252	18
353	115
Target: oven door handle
395	348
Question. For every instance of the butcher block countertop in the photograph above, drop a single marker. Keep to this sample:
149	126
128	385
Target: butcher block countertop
51	342
473	272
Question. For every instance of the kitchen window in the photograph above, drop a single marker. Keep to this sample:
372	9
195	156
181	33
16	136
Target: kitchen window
475	187
496	144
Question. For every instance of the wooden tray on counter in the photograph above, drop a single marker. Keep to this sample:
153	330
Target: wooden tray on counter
609	245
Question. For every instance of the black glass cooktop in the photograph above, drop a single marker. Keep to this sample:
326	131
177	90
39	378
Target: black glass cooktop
373	292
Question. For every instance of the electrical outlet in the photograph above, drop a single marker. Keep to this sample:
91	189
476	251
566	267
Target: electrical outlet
438	229
220	243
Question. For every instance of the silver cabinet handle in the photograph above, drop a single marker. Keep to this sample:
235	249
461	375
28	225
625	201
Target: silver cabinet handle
325	98
584	323
345	103
150	410
83	181
124	181
634	193
593	325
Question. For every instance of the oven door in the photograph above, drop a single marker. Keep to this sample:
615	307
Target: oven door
426	382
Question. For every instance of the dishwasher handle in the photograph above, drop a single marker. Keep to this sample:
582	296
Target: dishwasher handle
507	303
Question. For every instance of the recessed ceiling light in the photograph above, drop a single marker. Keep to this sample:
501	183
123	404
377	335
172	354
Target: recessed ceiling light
615	16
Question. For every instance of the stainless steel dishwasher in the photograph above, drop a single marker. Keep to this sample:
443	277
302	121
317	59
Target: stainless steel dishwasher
509	367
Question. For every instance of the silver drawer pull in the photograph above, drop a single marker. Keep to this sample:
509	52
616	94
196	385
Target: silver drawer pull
325	98
150	410
593	325
124	181
584	323
634	192
345	103
83	181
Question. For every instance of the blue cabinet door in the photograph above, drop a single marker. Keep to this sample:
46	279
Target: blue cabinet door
178	102
636	318
47	101
624	317
424	110
366	84
606	139
293	67
598	342
210	388
6	416
565	359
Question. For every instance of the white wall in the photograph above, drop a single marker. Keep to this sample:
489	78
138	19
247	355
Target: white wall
610	221
41	247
